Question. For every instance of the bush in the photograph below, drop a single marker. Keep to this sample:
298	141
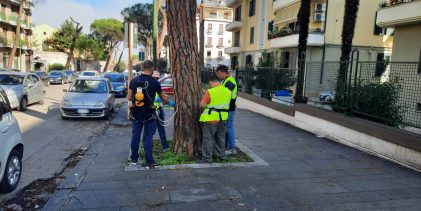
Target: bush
374	101
56	66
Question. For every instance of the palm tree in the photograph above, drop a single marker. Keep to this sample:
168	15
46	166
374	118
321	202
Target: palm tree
185	64
303	21
22	5
348	29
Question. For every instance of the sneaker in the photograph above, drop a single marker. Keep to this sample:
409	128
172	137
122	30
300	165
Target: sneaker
150	166
231	152
133	162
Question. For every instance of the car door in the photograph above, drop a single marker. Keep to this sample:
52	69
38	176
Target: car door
6	121
29	89
38	88
111	95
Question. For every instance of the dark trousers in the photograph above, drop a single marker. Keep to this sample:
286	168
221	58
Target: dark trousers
149	128
213	140
161	129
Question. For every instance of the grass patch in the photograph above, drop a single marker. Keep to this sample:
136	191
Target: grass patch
171	158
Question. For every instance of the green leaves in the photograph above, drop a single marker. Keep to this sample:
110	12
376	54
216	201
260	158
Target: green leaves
110	31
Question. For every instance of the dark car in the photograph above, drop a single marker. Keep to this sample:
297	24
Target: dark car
44	77
58	77
118	83
167	85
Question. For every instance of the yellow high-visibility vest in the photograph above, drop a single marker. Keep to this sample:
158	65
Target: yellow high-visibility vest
217	109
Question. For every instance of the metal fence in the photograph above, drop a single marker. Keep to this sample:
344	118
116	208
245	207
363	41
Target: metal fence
385	92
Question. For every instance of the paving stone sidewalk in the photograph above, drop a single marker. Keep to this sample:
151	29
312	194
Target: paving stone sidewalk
304	173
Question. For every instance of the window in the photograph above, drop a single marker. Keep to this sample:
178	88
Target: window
209	43
221	29
220	54
249	60
45	33
285	59
234	62
4	105
270	26
419	107
209	54
237	13
251	35
221	42
252	8
210	28
380	64
237	39
213	15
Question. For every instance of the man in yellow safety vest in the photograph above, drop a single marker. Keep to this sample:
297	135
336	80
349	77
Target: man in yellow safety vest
161	116
216	103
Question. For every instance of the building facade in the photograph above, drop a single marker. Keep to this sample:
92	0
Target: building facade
271	25
8	22
41	33
216	17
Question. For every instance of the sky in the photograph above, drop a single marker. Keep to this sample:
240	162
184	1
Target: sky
55	12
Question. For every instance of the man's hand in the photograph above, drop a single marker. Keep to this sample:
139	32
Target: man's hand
164	98
171	103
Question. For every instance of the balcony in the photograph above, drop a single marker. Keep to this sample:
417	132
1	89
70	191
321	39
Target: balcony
233	3
234	26
291	40
220	45
232	50
209	31
208	46
280	4
220	32
398	12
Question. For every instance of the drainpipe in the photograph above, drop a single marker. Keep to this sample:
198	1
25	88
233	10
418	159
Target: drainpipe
324	44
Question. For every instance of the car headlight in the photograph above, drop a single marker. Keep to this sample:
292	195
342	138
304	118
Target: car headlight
66	103
100	104
10	93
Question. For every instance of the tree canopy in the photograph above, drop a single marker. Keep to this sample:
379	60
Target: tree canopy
61	40
110	31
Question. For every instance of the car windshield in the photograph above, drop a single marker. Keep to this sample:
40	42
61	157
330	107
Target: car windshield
69	72
115	77
39	73
11	79
88	74
89	86
167	83
56	74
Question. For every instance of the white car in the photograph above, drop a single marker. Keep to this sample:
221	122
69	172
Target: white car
11	147
90	74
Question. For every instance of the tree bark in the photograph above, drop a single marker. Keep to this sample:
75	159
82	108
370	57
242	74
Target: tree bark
17	36
303	21
73	44
109	58
348	29
202	36
184	61
163	31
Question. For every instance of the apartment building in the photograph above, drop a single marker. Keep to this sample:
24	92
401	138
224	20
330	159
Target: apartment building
404	16
8	21
271	25
249	30
216	17
41	33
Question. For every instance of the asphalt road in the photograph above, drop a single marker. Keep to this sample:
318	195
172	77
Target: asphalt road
48	139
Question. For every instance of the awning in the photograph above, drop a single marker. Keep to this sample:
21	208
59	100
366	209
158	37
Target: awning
287	14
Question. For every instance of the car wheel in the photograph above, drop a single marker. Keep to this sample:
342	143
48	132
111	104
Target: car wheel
23	104
12	172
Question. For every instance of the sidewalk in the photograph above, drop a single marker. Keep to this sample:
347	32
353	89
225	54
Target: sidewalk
304	173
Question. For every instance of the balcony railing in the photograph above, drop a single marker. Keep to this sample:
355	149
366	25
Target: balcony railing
391	3
286	32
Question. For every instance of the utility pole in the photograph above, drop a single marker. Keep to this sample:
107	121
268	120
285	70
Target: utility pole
155	33
130	45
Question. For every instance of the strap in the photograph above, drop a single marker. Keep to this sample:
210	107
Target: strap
217	110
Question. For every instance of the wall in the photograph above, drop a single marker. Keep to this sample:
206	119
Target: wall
407	43
40	37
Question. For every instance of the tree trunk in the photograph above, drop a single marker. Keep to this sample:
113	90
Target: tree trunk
164	30
303	21
17	36
73	44
348	28
202	36
109	58
184	61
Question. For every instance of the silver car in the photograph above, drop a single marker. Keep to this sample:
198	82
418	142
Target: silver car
88	97
22	89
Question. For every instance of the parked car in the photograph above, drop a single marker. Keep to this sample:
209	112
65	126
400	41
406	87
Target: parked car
167	85
11	147
44	77
9	70
327	96
118	83
71	76
22	89
57	77
90	74
88	97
